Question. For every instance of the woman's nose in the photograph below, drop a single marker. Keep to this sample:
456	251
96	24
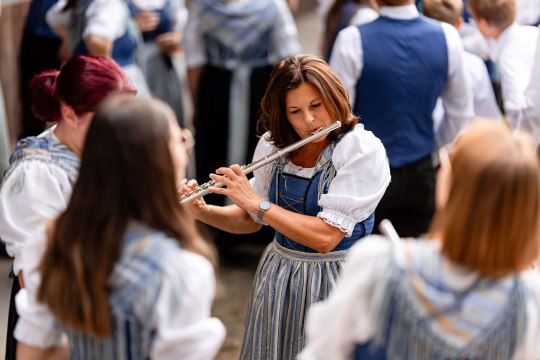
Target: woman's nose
309	117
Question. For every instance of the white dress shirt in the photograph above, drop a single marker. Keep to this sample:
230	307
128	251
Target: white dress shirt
531	113
485	104
364	15
347	60
513	52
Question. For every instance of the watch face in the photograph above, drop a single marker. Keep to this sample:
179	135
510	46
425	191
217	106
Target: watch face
264	205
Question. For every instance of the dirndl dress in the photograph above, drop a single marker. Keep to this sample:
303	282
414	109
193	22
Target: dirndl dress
291	276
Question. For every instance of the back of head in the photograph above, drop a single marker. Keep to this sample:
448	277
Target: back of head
127	158
448	11
490	220
501	13
290	74
82	82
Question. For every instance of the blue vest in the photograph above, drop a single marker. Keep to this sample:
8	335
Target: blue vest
134	287
405	69
47	149
35	19
301	195
123	48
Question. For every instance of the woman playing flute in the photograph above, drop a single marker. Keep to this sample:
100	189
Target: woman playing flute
320	200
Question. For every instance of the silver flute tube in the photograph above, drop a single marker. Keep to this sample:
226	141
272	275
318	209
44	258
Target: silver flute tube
204	189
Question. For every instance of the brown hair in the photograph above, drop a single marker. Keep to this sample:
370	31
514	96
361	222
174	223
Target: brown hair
126	174
290	74
448	11
501	13
490	222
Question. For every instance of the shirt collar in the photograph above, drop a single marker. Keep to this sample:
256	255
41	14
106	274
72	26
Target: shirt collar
405	12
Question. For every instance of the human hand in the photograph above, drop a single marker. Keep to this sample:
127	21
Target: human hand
169	42
147	20
238	188
198	206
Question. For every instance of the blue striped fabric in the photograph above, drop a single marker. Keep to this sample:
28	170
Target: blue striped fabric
46	148
134	287
287	282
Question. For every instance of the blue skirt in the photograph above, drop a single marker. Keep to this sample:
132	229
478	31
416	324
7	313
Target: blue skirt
287	282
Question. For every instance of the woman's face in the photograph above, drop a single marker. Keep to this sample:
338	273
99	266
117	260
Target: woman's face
305	111
178	151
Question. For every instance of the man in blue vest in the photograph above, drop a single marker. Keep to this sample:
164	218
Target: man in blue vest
395	68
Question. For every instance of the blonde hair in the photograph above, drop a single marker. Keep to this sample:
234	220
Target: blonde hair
448	11
501	13
490	222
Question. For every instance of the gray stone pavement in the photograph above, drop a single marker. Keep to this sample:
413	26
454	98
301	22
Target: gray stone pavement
233	281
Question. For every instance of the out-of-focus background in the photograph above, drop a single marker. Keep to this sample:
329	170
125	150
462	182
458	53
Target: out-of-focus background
239	263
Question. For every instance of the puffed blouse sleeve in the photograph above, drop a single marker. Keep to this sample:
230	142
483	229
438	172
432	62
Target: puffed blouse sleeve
362	176
184	326
260	182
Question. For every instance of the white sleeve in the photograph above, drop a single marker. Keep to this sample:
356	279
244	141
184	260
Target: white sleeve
261	176
36	326
184	328
106	19
532	95
285	41
193	40
362	176
32	193
56	17
485	104
347	59
349	315
515	64
456	95
473	40
181	16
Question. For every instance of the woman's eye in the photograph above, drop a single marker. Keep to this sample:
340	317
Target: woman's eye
294	111
315	105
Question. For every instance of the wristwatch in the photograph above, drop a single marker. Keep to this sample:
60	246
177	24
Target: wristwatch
263	206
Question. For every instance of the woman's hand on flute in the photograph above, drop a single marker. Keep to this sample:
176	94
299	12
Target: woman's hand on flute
237	187
198	206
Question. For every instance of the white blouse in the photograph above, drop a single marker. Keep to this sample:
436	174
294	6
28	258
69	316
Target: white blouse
349	316
33	192
105	18
184	328
513	52
362	176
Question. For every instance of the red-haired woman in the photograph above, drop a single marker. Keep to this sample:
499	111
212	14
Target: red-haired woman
43	169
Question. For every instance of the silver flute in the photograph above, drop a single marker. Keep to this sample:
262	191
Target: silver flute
204	189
